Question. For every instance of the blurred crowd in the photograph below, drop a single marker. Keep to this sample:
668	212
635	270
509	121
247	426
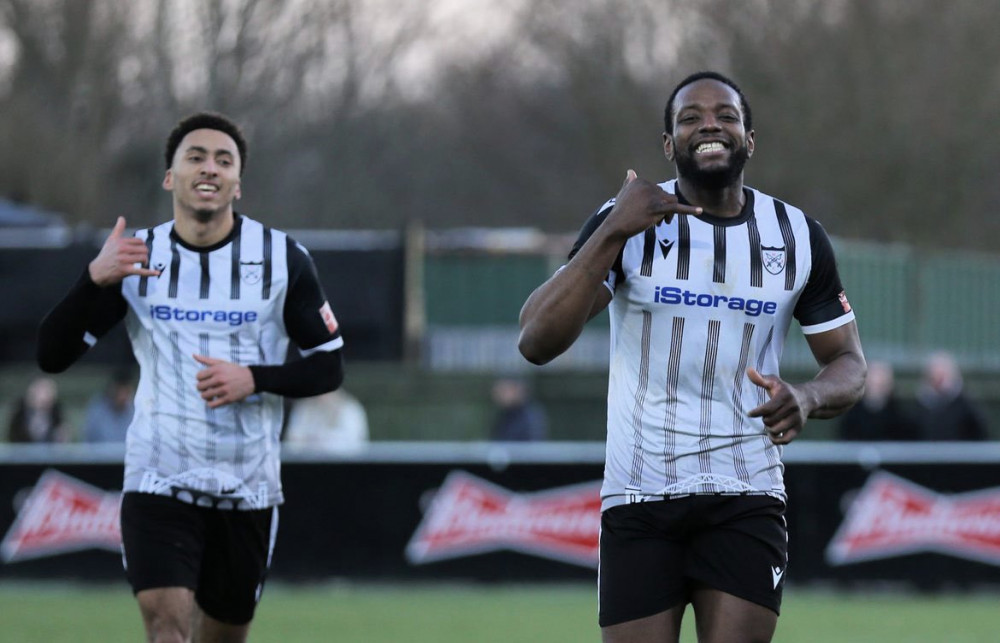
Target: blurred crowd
939	409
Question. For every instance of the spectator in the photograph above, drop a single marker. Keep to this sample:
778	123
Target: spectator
38	415
519	417
334	421
110	412
879	415
944	410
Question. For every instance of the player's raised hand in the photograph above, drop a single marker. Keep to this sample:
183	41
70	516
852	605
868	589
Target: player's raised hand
222	382
641	204
119	257
784	414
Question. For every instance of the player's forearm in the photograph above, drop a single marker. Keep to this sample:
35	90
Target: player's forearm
316	374
556	312
73	325
838	385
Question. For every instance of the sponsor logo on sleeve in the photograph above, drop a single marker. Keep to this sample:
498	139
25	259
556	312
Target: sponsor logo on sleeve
327	314
892	516
60	515
469	516
846	305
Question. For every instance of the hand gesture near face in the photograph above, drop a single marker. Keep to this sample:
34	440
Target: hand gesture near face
641	204
118	258
785	413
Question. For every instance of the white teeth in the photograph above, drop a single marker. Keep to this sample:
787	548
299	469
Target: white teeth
706	148
206	188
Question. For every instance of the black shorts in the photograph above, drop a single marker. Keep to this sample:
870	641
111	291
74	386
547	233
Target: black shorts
222	555
654	553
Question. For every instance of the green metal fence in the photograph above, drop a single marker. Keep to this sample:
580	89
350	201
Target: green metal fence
908	302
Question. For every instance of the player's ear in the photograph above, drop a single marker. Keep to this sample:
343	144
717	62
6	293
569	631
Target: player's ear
168	181
750	143
668	146
237	193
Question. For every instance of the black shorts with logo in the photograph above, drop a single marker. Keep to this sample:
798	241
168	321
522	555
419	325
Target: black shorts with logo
223	555
653	554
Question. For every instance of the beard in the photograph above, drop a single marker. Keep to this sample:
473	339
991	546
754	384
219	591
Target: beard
204	215
716	178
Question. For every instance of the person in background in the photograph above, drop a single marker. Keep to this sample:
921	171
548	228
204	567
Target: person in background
110	412
334	421
519	417
879	415
38	414
944	411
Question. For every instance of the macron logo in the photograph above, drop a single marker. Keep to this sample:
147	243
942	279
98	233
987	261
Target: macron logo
665	246
776	574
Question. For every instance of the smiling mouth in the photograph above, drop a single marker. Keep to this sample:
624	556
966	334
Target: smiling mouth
709	148
205	189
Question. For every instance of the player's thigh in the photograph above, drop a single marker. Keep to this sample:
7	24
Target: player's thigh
237	557
743	551
162	542
640	572
724	618
664	627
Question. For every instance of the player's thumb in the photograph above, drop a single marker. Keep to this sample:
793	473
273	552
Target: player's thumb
629	177
757	378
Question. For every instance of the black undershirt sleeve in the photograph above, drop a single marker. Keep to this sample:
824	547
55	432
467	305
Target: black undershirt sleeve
86	309
320	371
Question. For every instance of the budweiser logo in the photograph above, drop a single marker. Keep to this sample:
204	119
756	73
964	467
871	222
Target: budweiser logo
471	516
894	517
62	514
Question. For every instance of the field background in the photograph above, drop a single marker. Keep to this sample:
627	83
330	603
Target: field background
57	613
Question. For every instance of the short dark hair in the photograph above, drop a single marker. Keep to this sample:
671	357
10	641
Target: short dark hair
668	112
206	120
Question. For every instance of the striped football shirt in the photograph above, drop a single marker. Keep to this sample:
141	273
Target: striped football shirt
695	302
241	300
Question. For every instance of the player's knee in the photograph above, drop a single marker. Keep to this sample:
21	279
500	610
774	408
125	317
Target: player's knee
166	627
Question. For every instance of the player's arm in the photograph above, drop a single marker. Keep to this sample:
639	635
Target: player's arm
94	304
837	386
311	325
832	334
555	313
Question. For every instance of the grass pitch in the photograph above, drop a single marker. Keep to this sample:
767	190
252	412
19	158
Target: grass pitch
55	613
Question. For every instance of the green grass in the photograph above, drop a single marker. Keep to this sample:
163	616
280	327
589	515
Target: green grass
53	613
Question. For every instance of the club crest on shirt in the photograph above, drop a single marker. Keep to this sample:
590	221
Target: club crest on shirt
774	259
251	271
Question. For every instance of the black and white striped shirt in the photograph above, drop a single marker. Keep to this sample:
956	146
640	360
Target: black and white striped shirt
240	300
695	302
